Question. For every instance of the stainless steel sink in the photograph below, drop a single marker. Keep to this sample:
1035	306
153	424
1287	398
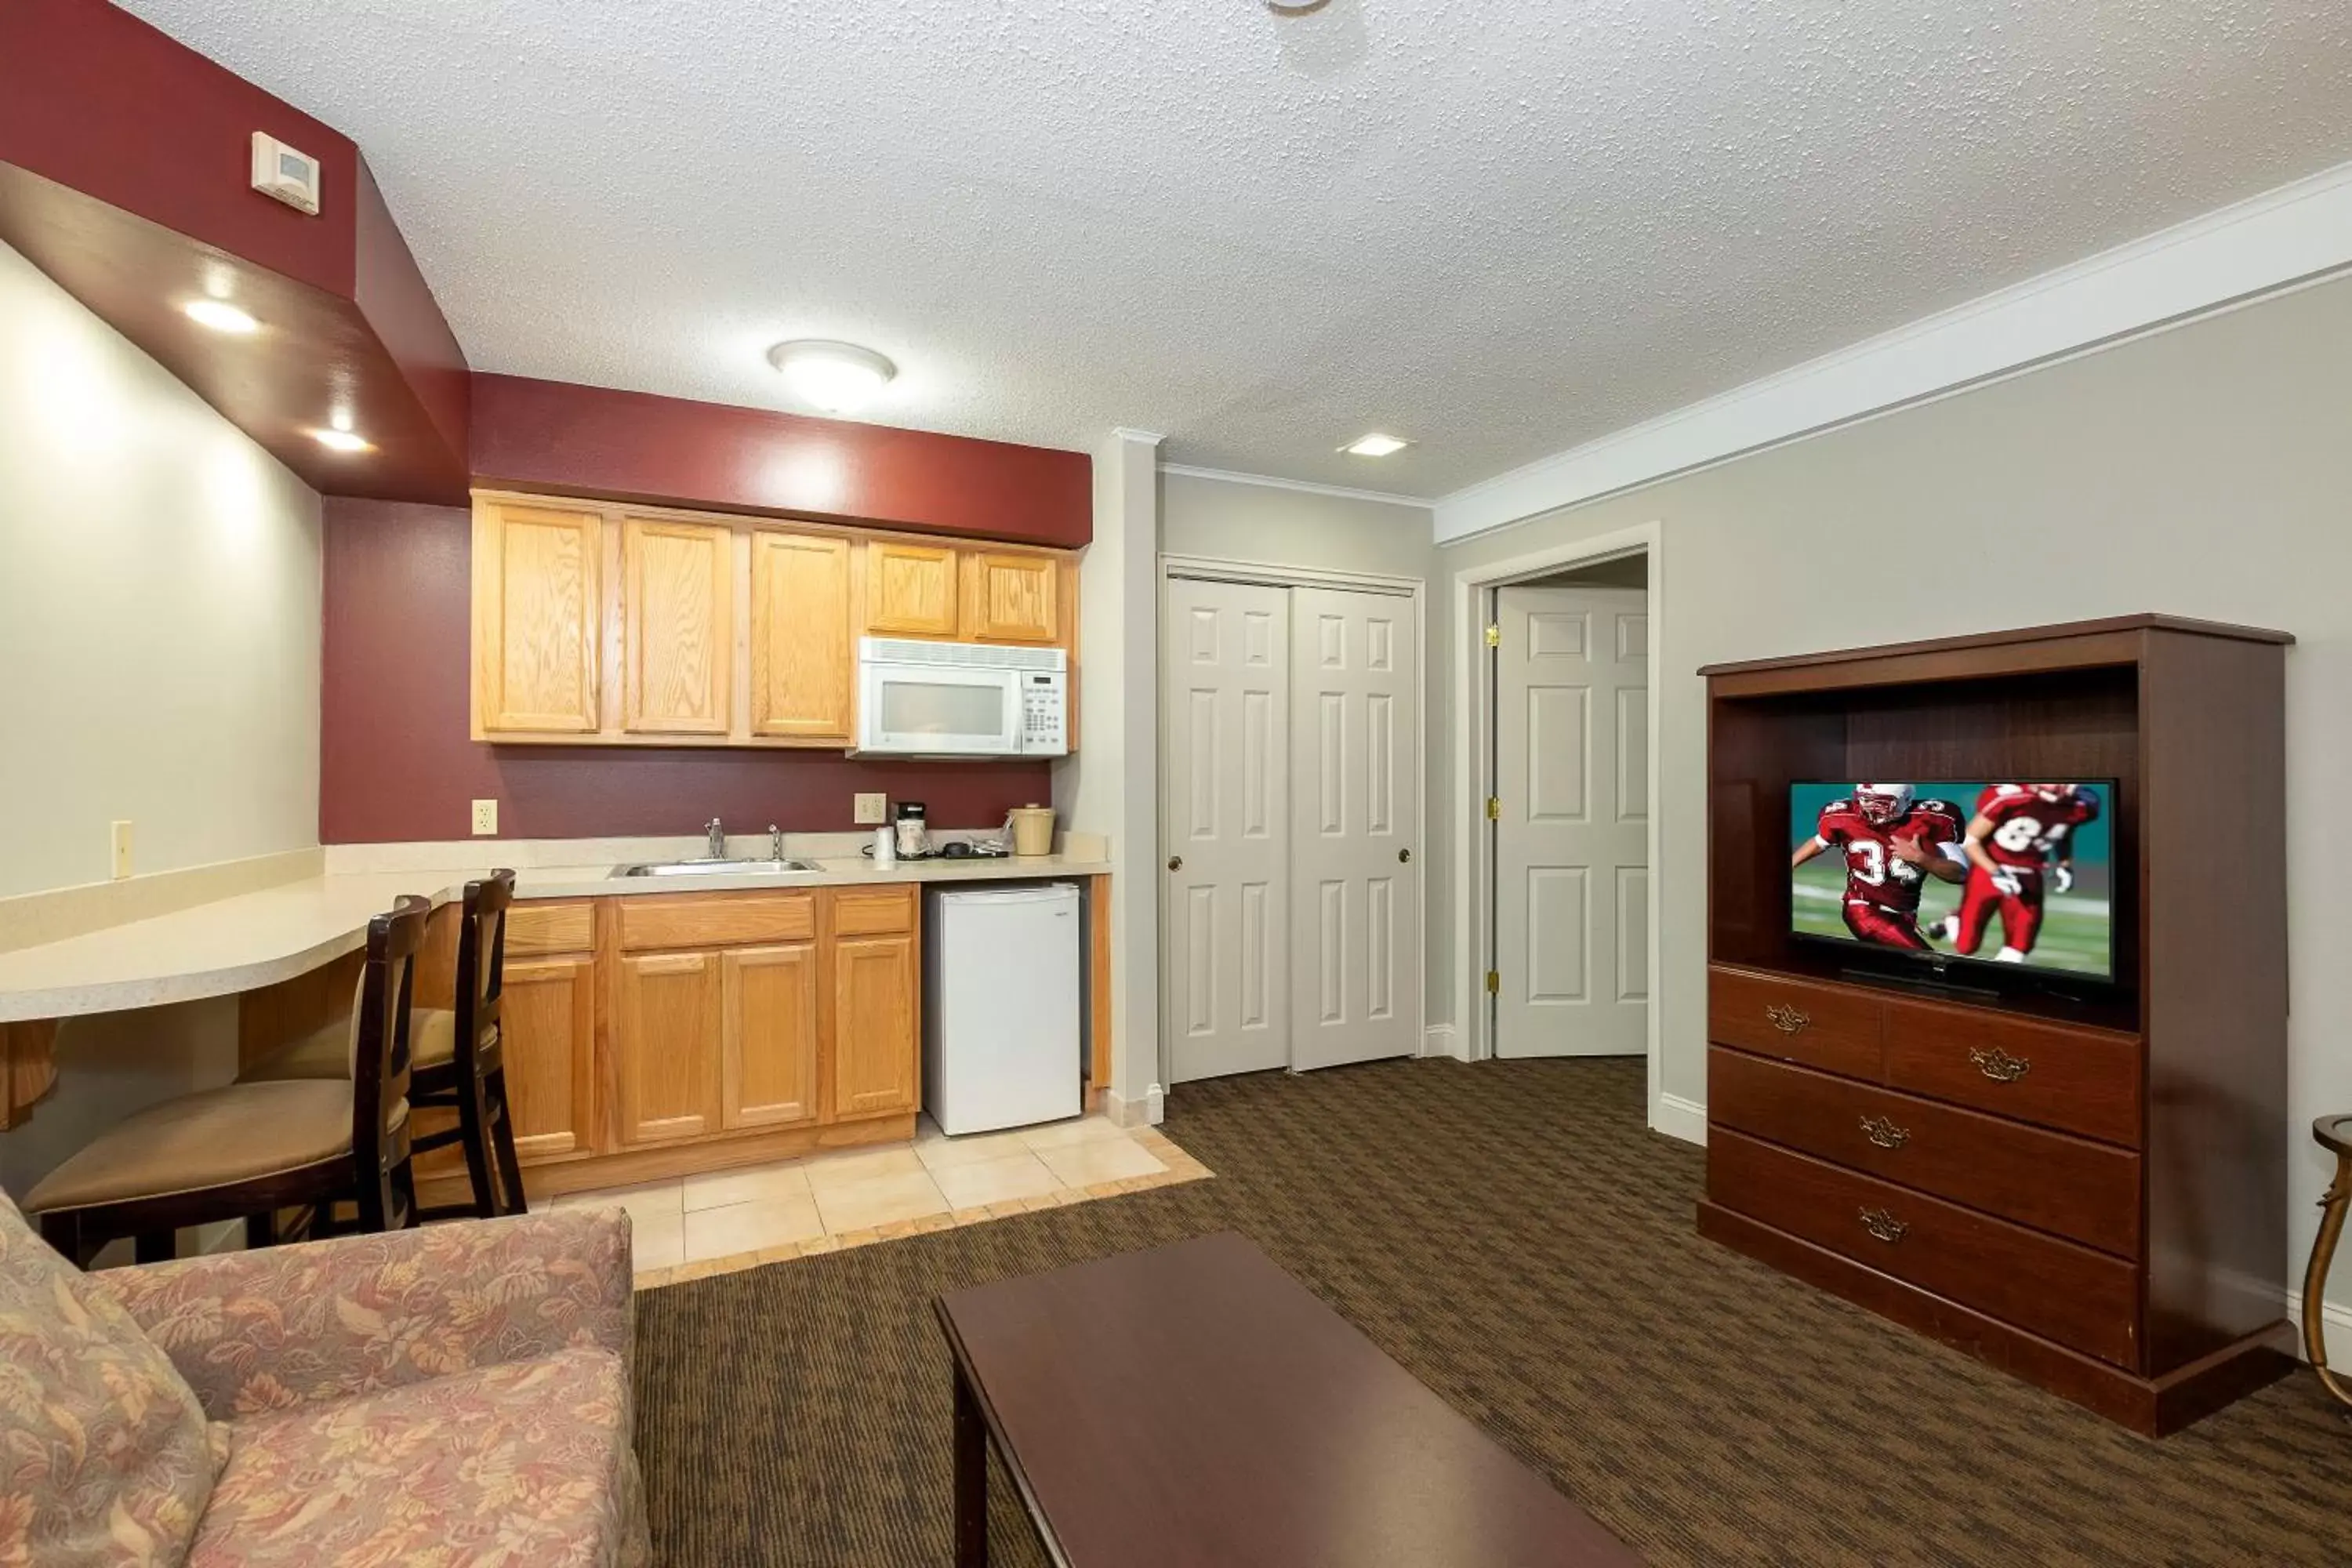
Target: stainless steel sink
709	868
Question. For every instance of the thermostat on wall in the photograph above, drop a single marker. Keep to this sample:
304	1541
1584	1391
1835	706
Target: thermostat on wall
279	171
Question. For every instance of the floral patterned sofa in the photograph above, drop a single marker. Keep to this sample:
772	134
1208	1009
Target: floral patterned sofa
449	1397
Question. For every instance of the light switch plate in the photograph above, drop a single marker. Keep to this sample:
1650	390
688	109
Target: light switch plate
486	817
871	809
120	843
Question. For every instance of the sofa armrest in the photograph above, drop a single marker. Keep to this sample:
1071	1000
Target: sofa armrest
267	1330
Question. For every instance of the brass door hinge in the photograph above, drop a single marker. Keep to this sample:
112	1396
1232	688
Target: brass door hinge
1494	982
1494	808
1493	637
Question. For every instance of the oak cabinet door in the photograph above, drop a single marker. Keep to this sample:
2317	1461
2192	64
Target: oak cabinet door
1011	598
666	1038
874	1026
678	637
547	1028
770	1042
911	589
802	644
538	610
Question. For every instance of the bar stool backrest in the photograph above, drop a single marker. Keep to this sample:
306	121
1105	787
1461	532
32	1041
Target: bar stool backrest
481	966
380	1057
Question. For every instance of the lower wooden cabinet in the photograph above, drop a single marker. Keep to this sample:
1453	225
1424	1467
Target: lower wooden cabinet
769	1036
666	1024
547	1022
874	1013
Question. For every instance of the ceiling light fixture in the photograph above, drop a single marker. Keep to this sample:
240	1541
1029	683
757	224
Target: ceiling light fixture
836	377
220	316
1374	446
341	441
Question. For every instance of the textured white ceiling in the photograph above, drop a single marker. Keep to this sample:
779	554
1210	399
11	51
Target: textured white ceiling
1499	230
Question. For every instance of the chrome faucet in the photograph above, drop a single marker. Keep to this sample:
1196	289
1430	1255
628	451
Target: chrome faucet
775	844
717	839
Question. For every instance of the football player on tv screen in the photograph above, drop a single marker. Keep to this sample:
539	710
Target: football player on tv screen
1891	843
2018	852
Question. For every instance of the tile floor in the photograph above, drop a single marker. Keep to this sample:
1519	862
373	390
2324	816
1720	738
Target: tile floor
725	1220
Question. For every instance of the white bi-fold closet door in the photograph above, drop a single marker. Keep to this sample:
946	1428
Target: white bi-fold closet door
1292	910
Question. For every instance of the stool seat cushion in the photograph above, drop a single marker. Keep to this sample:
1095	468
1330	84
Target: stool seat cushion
205	1140
107	1455
326	1051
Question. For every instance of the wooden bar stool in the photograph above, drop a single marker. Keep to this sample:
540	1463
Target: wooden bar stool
253	1148
468	1079
473	1081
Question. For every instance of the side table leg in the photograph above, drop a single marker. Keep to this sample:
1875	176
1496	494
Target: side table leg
2314	1275
971	1479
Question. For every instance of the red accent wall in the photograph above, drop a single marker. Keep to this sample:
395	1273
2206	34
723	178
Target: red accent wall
396	760
636	447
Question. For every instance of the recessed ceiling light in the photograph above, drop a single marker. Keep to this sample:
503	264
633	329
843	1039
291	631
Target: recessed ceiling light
1374	446
340	441
220	316
834	377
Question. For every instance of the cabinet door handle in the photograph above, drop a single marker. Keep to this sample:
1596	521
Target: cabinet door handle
1999	1065
1884	1225
1885	1133
1788	1020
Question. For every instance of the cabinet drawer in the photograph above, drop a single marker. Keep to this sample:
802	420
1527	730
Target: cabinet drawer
2084	1191
880	912
2083	1081
534	929
716	920
2079	1298
1828	1026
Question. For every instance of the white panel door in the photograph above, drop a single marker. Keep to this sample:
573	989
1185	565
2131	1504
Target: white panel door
1572	772
1225	697
1355	887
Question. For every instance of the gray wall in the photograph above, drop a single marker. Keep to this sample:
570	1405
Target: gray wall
2203	471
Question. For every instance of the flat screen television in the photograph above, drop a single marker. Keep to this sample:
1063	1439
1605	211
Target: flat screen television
1948	870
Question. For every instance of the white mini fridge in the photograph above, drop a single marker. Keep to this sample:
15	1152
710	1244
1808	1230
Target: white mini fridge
1002	1040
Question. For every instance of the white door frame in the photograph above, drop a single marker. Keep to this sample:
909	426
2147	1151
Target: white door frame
1473	752
1269	574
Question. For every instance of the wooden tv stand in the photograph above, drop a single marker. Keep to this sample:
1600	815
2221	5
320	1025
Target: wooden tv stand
2089	1192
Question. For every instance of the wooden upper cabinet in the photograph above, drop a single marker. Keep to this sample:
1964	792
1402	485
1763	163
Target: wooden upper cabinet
666	1043
768	1044
1011	598
803	645
677	636
538	610
874	1035
911	589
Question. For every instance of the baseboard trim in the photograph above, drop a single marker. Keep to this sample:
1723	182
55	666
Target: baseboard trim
1442	1040
2336	1315
1679	1118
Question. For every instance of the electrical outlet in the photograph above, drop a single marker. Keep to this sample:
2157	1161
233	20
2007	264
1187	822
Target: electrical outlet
871	809
119	849
486	817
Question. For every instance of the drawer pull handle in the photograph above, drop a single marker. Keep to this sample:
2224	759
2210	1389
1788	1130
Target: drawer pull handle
1884	1225
1999	1065
1885	1133
1785	1018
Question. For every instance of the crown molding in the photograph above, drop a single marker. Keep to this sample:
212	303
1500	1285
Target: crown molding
2286	238
1386	497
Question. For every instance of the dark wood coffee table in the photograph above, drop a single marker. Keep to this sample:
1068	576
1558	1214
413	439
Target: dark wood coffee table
1194	1405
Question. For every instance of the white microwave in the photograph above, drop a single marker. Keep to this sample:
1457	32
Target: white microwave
961	699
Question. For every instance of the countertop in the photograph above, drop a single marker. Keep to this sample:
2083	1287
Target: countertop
258	939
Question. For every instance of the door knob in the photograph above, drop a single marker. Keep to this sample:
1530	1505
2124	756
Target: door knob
1175	862
1405	856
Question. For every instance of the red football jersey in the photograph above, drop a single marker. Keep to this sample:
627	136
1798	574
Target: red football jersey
2026	828
1873	874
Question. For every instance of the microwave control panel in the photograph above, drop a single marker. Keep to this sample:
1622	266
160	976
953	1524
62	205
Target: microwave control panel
1044	702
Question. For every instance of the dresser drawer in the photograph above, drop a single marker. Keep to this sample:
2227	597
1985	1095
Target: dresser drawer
2082	1298
716	920
1833	1027
2083	1080
2070	1186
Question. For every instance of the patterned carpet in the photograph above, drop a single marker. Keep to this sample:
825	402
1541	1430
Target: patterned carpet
1512	1234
